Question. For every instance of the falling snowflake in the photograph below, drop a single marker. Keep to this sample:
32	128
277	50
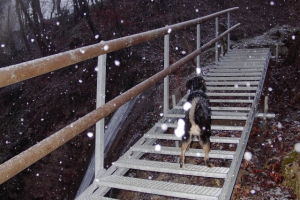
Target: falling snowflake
164	127
272	3
157	147
179	131
117	63
248	156
96	36
270	89
106	47
169	30
90	134
187	106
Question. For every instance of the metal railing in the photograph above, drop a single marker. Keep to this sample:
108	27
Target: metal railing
16	73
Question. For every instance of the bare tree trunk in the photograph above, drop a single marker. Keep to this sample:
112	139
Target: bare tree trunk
11	42
22	26
184	34
34	24
76	11
53	9
118	25
85	11
58	8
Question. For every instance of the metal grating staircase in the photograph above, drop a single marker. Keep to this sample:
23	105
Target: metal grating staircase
234	87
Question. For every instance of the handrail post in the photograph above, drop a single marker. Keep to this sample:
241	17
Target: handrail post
228	36
166	79
99	146
217	44
198	69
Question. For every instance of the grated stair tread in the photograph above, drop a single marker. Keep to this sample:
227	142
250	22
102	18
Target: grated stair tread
230	140
237	117
232	88
218	70
220	78
160	187
177	151
244	83
213	127
234	74
234	66
174	168
95	197
230	94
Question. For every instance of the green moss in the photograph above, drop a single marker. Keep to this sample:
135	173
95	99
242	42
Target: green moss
290	158
291	171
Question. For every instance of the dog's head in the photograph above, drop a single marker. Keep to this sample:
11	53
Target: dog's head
196	83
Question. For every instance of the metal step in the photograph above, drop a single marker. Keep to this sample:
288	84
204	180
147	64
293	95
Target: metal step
246	57
213	127
231	108
161	188
212	117
223	70
222	108
230	101
235	66
241	61
173	168
223	94
214	139
244	83
226	101
95	197
234	74
250	78
176	151
232	88
252	51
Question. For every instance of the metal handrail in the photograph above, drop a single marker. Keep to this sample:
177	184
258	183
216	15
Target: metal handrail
23	160
23	71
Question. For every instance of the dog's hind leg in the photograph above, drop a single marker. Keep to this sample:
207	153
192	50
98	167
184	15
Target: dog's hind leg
184	147
206	148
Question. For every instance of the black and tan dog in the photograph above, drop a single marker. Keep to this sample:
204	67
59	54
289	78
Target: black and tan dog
197	119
